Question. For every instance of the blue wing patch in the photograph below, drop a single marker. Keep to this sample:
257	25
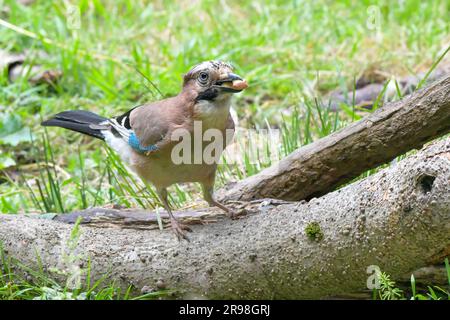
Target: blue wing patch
133	141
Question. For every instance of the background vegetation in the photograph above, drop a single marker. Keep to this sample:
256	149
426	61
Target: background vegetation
126	52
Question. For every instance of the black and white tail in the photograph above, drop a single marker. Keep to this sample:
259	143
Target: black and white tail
80	121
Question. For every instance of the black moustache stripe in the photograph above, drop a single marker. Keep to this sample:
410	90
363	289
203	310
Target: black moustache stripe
208	94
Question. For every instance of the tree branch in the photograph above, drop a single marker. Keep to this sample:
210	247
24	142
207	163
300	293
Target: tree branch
320	167
397	219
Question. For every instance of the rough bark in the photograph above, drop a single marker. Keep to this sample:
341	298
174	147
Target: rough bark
397	219
320	167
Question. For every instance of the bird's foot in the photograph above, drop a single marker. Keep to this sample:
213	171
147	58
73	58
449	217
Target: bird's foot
230	213
233	215
180	230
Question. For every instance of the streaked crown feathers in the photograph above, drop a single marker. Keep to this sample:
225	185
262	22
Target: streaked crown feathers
207	65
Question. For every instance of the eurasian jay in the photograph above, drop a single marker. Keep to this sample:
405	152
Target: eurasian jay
143	136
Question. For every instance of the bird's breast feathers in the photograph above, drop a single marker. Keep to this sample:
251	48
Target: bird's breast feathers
212	114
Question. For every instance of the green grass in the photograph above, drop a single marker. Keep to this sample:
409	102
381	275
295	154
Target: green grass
130	52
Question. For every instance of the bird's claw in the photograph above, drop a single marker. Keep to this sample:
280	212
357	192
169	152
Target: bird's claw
180	230
231	214
234	214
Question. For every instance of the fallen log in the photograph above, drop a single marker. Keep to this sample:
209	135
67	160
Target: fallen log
370	86
17	66
397	219
325	164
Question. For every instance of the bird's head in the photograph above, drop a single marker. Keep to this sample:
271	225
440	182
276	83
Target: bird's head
213	80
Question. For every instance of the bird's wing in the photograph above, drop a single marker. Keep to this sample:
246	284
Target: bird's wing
144	128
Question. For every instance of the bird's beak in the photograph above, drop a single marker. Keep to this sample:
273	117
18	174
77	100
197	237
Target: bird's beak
231	82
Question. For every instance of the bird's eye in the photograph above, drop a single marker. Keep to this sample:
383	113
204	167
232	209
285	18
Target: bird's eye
203	77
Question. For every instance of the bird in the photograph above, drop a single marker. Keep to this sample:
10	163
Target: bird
146	137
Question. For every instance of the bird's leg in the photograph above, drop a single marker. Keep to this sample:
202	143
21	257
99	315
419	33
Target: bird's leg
208	195
177	227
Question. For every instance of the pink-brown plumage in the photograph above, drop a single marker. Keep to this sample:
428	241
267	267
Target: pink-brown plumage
143	136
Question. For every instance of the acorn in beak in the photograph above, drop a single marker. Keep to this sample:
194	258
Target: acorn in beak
231	82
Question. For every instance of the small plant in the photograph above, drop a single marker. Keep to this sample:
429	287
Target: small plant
388	290
313	231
